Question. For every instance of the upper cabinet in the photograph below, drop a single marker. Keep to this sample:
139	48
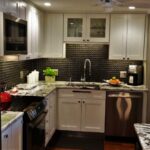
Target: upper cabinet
35	31
14	7
127	36
86	28
53	36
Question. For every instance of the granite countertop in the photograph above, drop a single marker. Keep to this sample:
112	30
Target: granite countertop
43	89
143	133
8	117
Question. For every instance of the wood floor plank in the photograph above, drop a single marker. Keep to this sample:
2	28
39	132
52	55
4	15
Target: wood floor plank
107	146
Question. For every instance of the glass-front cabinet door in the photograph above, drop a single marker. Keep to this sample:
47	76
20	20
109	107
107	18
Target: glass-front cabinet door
86	28
98	27
74	27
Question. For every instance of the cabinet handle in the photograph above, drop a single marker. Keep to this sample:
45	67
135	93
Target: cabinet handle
128	58
88	40
78	91
83	102
78	101
123	58
6	136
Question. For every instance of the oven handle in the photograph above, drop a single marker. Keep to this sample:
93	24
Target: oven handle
37	121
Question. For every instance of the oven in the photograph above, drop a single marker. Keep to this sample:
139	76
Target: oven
36	133
34	109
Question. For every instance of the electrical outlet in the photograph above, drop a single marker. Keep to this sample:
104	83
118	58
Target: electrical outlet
123	74
21	74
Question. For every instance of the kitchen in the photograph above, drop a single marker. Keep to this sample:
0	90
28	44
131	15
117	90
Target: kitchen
53	40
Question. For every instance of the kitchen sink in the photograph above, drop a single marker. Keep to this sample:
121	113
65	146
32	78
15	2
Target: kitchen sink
84	85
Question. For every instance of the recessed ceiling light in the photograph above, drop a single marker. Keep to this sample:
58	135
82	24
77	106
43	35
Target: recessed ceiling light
131	7
48	4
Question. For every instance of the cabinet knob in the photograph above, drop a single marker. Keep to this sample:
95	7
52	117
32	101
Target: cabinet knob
123	58
128	58
88	40
78	101
83	102
83	40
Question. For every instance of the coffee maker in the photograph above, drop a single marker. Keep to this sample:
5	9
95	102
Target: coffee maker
135	75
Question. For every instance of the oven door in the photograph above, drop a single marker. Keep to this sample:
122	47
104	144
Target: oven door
36	133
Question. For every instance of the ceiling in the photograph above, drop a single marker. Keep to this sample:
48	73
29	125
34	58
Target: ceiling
92	6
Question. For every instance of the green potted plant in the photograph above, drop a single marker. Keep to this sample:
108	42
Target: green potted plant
50	74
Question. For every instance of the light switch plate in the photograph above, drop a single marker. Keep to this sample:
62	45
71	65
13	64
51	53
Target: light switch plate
123	74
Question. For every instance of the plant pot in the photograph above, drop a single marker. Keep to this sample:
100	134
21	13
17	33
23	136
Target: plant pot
49	79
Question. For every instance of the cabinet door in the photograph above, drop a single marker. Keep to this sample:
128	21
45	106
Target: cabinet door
93	115
50	125
6	139
17	135
74	27
118	35
10	6
69	114
33	31
135	36
1	5
53	36
98	28
21	9
47	122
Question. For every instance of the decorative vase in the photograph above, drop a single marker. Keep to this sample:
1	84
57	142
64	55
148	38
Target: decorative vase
49	79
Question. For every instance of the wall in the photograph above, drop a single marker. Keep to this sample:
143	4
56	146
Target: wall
10	71
72	66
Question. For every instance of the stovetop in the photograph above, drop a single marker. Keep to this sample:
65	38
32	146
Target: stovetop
32	108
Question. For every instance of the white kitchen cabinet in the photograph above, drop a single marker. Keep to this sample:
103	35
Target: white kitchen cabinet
10	6
35	32
53	39
21	9
12	136
6	139
69	114
81	111
14	7
127	34
86	28
17	135
50	125
93	115
1	5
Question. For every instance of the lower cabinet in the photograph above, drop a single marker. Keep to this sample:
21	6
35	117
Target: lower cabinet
50	124
12	136
123	109
78	113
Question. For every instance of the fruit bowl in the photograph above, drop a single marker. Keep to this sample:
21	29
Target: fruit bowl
114	82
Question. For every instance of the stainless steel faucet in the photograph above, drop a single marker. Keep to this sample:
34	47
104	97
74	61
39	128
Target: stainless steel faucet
85	62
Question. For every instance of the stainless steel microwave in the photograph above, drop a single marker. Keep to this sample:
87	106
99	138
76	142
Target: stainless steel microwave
15	35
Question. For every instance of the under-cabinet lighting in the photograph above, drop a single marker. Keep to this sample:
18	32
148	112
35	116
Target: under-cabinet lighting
131	7
47	4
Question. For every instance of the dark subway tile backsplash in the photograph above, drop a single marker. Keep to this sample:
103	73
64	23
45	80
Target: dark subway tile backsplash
71	66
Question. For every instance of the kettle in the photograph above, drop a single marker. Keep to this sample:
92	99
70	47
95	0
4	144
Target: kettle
5	97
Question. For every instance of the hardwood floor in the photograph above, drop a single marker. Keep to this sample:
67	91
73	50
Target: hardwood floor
107	146
118	146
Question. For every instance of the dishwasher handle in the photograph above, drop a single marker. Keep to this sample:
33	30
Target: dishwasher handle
120	96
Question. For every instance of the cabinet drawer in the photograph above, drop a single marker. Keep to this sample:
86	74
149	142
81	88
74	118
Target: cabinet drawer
79	93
